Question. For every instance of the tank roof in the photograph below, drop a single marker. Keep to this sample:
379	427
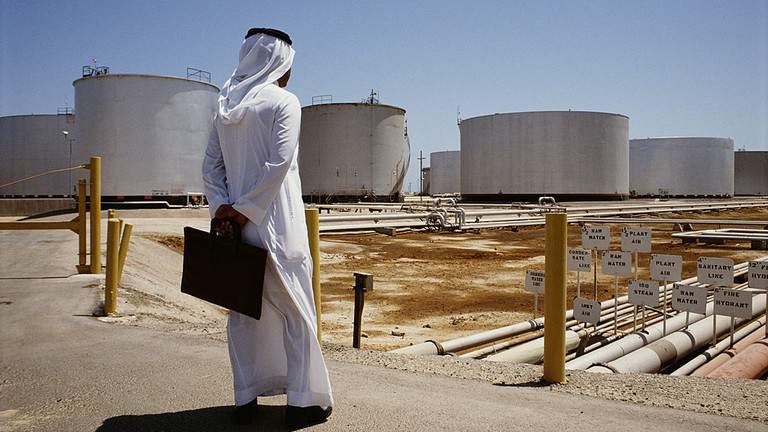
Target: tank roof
111	75
548	112
355	104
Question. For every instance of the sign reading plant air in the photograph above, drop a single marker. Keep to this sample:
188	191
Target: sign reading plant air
758	274
534	281
617	263
579	260
667	268
636	239
686	298
587	311
596	237
715	271
644	293
733	303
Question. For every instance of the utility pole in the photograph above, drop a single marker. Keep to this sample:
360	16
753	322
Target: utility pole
421	176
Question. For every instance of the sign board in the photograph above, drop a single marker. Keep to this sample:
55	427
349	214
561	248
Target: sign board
734	303
686	298
715	271
587	311
534	281
636	239
596	237
666	267
579	260
617	263
758	274
643	292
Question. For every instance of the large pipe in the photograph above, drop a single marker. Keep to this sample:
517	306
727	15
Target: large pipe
731	352
752	363
675	346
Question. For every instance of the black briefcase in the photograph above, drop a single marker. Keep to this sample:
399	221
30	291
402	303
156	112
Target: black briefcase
224	270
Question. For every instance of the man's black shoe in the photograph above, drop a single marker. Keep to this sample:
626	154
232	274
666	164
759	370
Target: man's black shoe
244	414
305	416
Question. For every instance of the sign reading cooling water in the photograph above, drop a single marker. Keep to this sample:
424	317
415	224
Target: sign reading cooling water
579	260
686	298
617	263
636	239
715	271
595	237
587	311
733	303
643	292
534	281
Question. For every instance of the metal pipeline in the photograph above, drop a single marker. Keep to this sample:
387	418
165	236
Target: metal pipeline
752	363
731	352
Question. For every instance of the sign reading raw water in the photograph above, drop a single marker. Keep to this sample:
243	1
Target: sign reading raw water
733	303
617	263
643	292
636	239
758	274
595	237
534	281
686	298
715	271
587	311
666	267
579	260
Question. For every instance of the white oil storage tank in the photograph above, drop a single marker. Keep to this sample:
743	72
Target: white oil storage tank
681	167
750	172
445	172
352	151
564	154
150	132
35	144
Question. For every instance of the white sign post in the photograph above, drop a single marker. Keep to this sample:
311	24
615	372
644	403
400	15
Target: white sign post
636	240
534	283
587	311
596	238
734	303
579	260
717	272
617	264
758	278
666	268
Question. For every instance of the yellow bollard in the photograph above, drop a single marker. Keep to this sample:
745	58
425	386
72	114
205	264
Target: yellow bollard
95	167
555	296
124	241
313	230
110	289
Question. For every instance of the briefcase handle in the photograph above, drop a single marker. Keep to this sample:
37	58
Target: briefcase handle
236	229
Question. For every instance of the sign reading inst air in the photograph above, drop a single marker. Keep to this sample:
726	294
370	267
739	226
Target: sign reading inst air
715	271
534	281
636	239
579	260
587	311
596	237
686	298
617	263
758	274
643	292
666	267
734	303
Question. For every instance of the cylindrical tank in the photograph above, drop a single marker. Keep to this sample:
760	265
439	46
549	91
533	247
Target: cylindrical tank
32	145
750	172
445	172
150	132
681	166
352	151
565	154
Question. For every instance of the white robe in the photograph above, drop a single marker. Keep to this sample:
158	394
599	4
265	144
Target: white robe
252	164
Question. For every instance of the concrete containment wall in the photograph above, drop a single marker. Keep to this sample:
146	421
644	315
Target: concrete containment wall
684	166
445	172
565	154
750	172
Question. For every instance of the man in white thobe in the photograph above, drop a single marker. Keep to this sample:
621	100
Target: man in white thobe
251	177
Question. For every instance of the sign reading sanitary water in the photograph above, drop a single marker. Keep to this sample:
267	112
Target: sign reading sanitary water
686	298
579	260
636	239
666	267
758	274
733	303
617	263
587	311
715	271
643	292
595	237
534	281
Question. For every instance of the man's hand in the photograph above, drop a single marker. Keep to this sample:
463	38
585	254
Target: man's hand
227	212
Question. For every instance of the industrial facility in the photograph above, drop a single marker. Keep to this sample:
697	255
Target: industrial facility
681	167
569	155
750	173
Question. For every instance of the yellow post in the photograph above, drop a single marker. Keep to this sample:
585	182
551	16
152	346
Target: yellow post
81	231
110	290
124	241
313	230
555	297
95	167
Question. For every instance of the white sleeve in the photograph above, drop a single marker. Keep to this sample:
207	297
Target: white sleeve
284	143
214	173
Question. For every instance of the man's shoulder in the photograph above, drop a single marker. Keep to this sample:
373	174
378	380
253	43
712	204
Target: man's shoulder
280	96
